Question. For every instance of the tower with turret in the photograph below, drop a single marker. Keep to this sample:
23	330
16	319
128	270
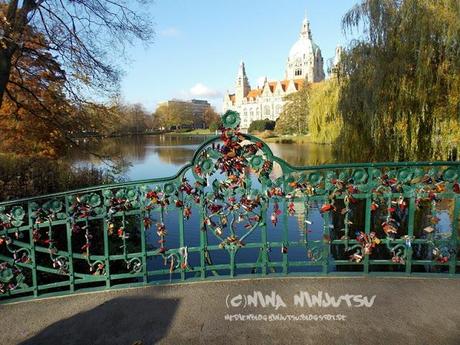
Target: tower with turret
242	86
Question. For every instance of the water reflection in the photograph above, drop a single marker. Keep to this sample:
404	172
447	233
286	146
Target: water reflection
162	155
303	154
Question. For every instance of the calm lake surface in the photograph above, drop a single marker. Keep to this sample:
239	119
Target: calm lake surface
163	155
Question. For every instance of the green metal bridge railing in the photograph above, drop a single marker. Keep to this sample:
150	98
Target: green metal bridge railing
234	197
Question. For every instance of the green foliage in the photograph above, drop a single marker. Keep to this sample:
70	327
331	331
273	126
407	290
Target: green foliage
396	92
261	125
173	115
400	83
211	118
293	118
129	119
324	118
214	126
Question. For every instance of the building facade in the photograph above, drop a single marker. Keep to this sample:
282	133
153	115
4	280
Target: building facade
304	65
196	107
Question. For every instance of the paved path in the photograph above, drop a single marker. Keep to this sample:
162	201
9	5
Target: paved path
405	311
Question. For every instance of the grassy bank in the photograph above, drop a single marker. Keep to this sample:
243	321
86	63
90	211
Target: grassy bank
267	136
289	139
271	137
193	132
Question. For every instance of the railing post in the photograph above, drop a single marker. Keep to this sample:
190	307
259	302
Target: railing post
367	228
285	236
181	236
202	240
69	246
326	241
410	234
264	240
106	249
454	236
143	250
32	249
232	262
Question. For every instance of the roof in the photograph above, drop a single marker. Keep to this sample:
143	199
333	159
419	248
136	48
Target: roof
254	93
298	84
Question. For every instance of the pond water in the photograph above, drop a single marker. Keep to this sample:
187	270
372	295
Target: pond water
163	155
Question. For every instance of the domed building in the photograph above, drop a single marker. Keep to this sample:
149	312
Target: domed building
305	60
304	65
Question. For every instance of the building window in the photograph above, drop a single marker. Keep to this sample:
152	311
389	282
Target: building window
267	110
278	110
298	72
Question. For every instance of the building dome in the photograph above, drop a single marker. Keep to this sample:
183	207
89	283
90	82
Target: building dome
304	59
303	47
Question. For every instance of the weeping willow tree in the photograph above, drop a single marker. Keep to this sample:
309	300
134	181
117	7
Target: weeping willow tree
400	82
324	120
293	118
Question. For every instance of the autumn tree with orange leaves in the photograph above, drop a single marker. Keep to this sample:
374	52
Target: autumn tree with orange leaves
54	54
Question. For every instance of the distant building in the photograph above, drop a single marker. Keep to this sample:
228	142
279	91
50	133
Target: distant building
197	107
304	64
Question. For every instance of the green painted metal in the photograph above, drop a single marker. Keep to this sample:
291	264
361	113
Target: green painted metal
235	196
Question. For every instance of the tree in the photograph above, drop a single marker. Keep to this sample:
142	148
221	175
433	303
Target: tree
84	35
400	83
54	54
174	115
293	119
324	117
32	123
133	118
215	126
36	116
261	125
210	116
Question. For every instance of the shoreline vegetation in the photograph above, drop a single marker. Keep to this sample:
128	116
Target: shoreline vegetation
271	137
22	177
267	136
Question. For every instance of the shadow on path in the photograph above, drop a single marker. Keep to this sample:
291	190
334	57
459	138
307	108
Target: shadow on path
123	320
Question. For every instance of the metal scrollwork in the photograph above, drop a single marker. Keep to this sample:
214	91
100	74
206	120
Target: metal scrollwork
238	188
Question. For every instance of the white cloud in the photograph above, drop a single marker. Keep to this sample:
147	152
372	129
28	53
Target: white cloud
201	90
170	32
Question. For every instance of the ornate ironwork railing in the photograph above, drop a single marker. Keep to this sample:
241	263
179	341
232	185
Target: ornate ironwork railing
236	209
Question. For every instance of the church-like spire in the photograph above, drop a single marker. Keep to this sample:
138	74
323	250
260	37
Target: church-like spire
242	83
242	70
305	30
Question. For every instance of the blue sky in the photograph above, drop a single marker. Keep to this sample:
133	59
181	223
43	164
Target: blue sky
199	44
